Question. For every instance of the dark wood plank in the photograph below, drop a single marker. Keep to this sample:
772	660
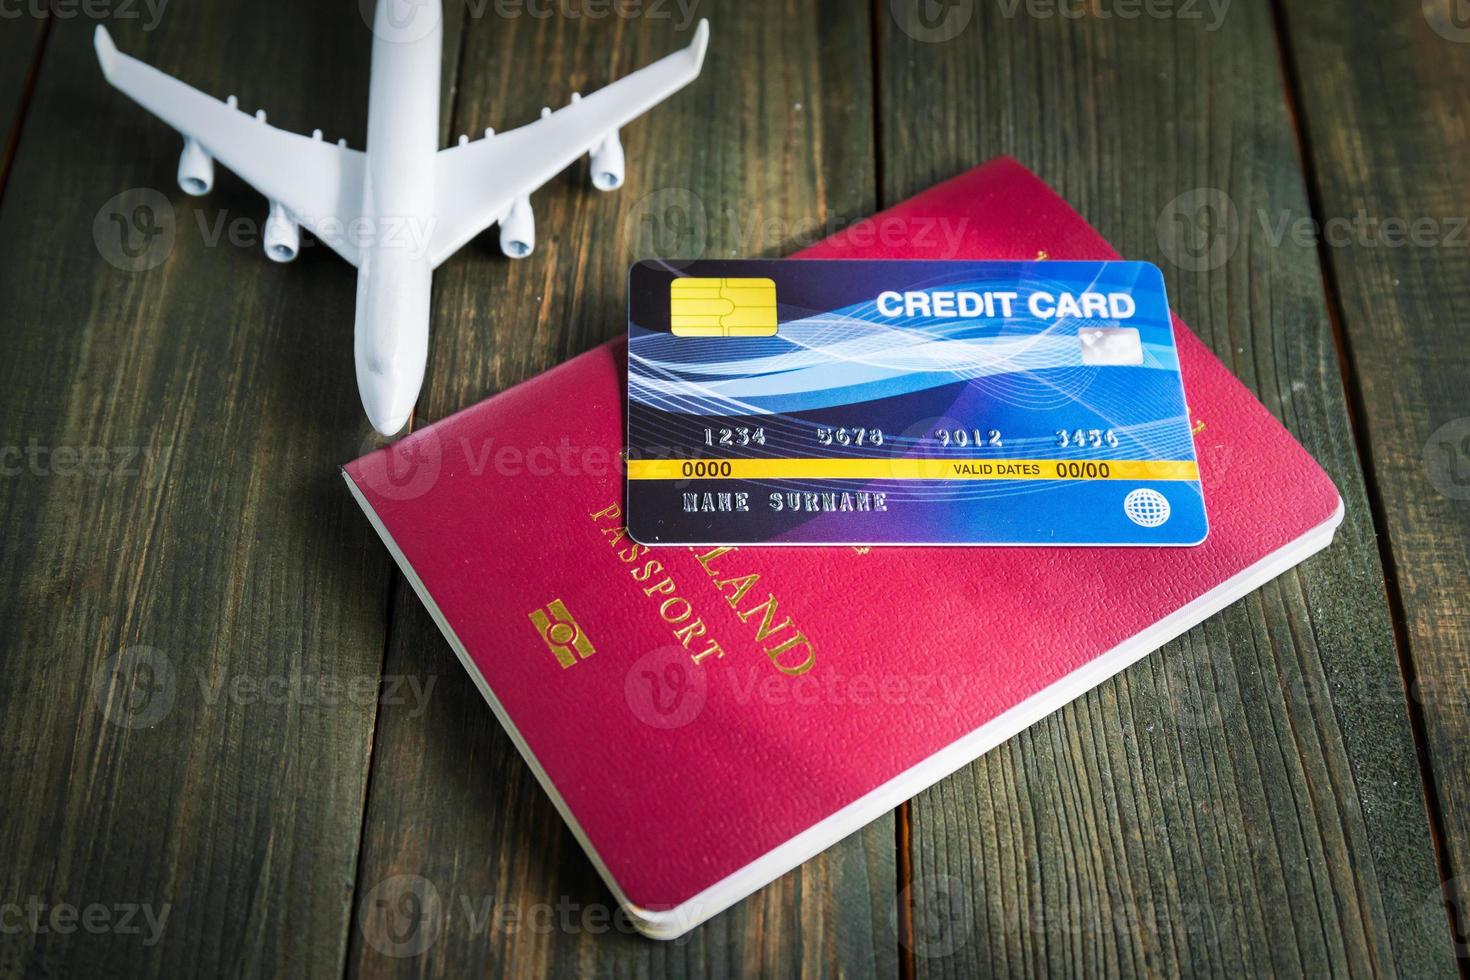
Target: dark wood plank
1247	800
1384	113
193	619
20	47
774	140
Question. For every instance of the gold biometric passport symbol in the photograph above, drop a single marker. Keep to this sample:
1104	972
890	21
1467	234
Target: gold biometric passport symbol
561	633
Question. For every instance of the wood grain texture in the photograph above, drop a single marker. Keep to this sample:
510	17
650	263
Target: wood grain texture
1387	127
20	45
194	618
217	687
773	141
1246	800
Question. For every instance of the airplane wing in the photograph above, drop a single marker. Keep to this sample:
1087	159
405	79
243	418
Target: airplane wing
320	184
478	182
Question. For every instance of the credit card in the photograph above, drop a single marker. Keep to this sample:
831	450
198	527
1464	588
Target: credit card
809	402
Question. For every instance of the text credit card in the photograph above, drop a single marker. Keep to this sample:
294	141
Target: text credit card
866	403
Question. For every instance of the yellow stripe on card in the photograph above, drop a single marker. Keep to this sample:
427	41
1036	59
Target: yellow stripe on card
912	469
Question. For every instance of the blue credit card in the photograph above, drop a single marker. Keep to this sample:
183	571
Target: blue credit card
869	403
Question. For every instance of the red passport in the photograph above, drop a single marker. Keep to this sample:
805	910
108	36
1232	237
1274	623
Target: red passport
707	719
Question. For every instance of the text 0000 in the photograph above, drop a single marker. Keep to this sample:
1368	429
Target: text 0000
699	468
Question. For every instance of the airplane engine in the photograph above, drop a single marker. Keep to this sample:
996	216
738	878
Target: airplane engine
196	169
518	230
282	237
607	163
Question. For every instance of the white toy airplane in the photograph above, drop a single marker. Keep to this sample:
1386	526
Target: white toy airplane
402	207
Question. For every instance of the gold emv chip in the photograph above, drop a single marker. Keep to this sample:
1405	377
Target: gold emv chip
722	307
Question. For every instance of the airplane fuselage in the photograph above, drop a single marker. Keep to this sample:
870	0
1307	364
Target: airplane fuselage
391	336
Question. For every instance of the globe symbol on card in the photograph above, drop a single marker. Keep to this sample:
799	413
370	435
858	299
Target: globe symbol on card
1146	507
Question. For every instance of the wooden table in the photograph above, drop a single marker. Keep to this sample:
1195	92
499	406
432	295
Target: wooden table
1282	790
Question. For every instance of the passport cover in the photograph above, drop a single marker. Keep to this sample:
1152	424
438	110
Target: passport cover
706	719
